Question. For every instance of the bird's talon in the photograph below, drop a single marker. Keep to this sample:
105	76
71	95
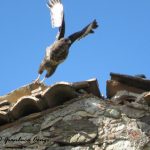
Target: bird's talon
36	82
42	82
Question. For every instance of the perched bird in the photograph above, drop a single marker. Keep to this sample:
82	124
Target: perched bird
58	51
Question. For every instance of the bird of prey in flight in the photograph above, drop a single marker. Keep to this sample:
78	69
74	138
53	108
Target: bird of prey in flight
58	51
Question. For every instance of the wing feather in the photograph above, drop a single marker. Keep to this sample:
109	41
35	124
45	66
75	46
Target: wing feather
56	11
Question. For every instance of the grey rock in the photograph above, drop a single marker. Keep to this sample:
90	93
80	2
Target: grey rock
60	148
16	140
75	132
31	128
141	98
49	123
144	127
136	136
147	147
144	98
121	145
132	112
145	119
114	113
122	97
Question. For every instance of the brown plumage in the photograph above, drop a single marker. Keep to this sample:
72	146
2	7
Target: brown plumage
58	51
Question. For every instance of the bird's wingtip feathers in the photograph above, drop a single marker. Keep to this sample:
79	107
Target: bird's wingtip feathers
56	9
95	24
51	3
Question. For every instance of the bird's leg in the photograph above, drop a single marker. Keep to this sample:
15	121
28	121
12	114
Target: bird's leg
37	79
43	80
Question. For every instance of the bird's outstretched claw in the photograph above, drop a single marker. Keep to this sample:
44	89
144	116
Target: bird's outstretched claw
37	80
42	80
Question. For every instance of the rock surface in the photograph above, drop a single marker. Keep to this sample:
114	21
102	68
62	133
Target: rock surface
79	119
35	98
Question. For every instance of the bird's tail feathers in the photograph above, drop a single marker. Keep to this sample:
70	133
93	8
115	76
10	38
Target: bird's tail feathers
84	32
57	12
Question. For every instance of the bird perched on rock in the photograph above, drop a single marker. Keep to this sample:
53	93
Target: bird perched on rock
58	51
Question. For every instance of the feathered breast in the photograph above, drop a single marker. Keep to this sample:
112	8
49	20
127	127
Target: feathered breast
58	52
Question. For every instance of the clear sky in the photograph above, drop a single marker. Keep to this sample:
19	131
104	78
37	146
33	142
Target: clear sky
121	44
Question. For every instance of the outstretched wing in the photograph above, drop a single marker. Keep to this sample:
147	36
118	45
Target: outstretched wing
84	32
57	16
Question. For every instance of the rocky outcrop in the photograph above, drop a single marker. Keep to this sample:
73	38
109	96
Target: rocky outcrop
74	116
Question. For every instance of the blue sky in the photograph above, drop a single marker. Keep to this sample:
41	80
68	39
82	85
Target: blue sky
121	44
